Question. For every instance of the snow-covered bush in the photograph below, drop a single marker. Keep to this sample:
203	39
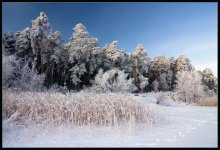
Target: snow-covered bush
143	82
158	97
7	69
17	77
189	86
165	100
29	79
113	80
56	88
55	109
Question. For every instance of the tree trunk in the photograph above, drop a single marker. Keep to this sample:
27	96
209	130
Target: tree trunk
89	76
64	76
41	63
113	64
52	74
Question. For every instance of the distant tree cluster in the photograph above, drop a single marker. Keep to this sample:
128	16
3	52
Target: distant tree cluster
37	58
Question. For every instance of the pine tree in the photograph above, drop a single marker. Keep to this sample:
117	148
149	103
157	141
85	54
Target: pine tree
56	59
161	69
140	62
113	56
183	64
208	79
78	53
93	62
23	46
8	41
38	35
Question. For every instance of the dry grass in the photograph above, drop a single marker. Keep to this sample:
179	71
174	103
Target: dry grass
208	101
79	109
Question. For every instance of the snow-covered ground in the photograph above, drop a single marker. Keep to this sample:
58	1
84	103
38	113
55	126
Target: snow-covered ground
185	126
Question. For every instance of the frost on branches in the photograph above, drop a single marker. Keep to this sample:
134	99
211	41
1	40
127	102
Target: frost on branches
94	59
8	42
38	35
82	51
140	63
55	59
183	64
76	64
113	56
209	80
113	80
161	70
77	72
9	67
20	77
189	86
30	79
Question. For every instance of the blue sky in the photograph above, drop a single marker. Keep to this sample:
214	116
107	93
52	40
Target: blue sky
169	29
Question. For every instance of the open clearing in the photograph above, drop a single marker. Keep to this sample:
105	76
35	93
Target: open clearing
185	126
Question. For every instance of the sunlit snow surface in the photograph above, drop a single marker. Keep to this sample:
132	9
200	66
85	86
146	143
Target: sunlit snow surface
185	126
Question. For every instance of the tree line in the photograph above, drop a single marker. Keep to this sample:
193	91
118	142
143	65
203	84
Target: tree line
38	56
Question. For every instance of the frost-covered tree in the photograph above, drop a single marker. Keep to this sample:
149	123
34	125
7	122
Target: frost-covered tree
208	79
78	53
164	84
171	73
126	63
140	62
37	51
93	51
23	46
189	86
84	55
94	60
78	48
56	59
113	80
113	56
161	69
38	35
77	71
183	64
8	42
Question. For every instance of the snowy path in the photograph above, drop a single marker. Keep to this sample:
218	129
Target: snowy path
192	126
188	126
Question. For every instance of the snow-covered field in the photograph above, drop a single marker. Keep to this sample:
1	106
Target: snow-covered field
185	126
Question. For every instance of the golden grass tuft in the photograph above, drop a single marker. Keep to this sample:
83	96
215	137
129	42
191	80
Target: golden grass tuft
107	109
208	101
